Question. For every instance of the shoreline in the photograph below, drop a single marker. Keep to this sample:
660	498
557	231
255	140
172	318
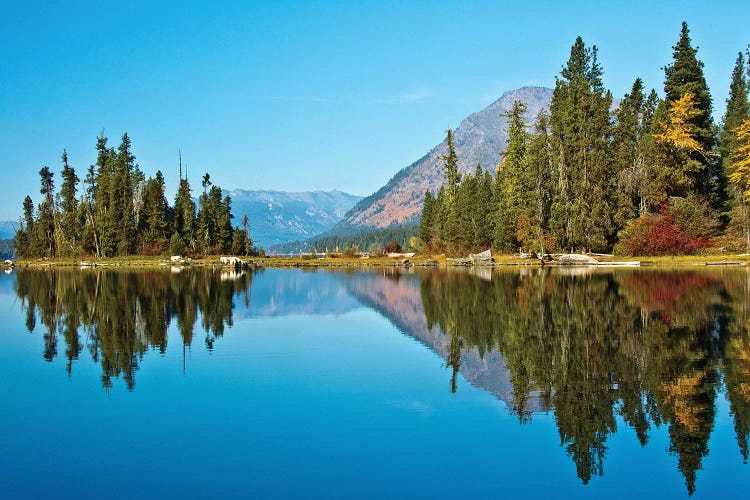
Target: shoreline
426	261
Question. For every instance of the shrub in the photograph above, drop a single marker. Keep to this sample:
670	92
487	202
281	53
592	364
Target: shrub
392	247
659	235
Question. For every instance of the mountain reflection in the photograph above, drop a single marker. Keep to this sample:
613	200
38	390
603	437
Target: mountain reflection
649	346
646	348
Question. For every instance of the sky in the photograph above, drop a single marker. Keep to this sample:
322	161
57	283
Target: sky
306	95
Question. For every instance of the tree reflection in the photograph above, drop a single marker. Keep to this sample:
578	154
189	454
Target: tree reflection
124	314
649	346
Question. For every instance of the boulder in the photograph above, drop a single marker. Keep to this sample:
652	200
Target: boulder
575	259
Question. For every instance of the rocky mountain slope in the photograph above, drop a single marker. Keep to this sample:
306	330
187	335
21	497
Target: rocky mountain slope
278	217
7	229
479	139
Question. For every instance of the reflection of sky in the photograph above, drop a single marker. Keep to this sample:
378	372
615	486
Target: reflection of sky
303	405
279	292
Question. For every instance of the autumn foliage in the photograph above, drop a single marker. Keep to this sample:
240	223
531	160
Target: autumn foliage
661	235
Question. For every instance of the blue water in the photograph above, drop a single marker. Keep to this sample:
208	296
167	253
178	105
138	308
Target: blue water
312	399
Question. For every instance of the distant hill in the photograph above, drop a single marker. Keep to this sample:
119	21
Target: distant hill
277	217
479	139
7	229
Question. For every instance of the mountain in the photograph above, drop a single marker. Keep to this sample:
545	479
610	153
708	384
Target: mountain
7	229
479	139
276	217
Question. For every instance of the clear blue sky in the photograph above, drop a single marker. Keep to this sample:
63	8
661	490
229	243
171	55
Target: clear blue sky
305	95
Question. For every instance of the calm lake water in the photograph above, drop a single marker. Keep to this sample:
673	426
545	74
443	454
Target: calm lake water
375	384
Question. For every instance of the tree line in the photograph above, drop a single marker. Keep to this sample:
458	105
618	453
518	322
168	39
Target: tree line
651	348
654	176
366	241
117	211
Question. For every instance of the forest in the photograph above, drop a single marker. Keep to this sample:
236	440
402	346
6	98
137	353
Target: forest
403	237
651	176
120	213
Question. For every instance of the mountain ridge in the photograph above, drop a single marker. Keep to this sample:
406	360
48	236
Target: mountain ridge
479	139
277	217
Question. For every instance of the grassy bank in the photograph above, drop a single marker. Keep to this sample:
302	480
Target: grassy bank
376	261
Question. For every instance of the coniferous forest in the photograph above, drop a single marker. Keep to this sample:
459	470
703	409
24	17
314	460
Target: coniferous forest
119	212
650	176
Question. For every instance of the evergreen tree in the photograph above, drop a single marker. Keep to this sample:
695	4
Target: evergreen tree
104	215
583	206
45	224
629	155
511	191
449	211
121	198
184	216
685	76
24	244
538	182
154	224
738	110
69	227
426	220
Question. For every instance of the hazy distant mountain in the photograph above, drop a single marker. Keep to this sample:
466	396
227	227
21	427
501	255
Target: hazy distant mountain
480	138
278	217
7	229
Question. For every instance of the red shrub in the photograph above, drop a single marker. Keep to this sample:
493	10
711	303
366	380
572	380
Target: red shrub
658	235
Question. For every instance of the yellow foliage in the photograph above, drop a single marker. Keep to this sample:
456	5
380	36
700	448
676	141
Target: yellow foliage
680	394
679	132
739	174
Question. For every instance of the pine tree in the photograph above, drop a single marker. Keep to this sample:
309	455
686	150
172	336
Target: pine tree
69	221
121	198
247	241
538	182
449	212
154	224
426	220
738	110
104	216
511	194
683	76
184	216
25	246
45	224
583	207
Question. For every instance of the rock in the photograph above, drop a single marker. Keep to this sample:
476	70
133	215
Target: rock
574	259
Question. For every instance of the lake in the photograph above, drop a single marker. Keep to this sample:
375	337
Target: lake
537	383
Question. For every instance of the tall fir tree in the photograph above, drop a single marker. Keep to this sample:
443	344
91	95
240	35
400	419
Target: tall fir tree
511	191
45	224
449	211
737	111
583	205
427	218
685	76
538	182
69	220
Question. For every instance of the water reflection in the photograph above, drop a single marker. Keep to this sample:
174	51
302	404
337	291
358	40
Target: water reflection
647	348
117	316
